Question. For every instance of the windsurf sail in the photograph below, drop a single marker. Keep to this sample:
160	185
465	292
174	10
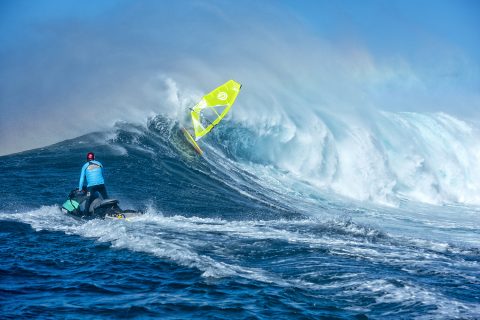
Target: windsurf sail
213	108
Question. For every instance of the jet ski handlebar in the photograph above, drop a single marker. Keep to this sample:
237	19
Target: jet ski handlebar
76	192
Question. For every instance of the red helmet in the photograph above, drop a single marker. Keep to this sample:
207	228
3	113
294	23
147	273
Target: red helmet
90	156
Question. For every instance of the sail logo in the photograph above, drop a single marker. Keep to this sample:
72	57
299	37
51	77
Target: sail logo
222	96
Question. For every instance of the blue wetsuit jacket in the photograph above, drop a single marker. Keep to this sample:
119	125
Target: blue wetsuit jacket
93	171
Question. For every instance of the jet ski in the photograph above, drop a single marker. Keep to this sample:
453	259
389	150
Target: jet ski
99	208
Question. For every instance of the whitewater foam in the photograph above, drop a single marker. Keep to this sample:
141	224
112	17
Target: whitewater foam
429	158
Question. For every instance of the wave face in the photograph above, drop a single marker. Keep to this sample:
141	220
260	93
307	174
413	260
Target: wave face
267	224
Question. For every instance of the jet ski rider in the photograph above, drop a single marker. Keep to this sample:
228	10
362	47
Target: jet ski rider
92	170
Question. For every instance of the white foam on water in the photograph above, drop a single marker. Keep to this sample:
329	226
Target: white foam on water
203	244
340	237
408	294
424	157
166	239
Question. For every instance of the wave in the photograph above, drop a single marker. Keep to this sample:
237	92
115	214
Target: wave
255	211
387	158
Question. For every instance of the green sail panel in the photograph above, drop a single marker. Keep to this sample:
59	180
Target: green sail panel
214	107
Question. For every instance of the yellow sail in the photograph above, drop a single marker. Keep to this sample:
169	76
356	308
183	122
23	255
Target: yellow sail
213	107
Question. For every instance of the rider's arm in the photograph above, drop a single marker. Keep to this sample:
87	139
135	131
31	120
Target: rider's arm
82	177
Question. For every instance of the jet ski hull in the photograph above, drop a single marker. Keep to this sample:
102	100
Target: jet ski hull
99	208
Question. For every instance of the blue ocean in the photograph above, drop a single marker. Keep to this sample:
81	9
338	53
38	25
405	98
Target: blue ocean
343	183
237	235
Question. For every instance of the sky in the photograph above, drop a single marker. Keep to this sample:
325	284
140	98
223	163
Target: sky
71	67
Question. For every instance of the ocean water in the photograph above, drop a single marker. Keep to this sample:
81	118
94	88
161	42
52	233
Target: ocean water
269	224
